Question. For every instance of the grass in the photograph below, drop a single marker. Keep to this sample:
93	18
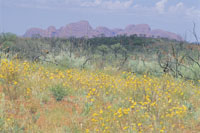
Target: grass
97	101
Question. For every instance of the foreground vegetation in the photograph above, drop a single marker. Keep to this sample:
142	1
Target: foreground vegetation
119	84
40	98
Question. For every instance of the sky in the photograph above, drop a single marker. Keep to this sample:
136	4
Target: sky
176	16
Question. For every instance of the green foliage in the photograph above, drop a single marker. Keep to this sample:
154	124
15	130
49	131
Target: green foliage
7	40
116	48
103	49
59	92
8	37
87	109
7	44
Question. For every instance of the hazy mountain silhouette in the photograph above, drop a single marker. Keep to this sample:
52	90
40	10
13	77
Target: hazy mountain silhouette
84	29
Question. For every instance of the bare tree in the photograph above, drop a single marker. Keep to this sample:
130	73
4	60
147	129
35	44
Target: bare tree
195	33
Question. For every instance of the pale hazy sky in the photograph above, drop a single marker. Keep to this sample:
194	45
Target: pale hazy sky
177	16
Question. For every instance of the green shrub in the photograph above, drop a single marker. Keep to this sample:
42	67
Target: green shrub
59	92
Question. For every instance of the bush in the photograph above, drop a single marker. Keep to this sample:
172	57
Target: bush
59	92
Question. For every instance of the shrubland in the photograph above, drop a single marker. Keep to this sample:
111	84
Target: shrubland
121	84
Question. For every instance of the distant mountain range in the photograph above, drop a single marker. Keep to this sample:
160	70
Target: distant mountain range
84	29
